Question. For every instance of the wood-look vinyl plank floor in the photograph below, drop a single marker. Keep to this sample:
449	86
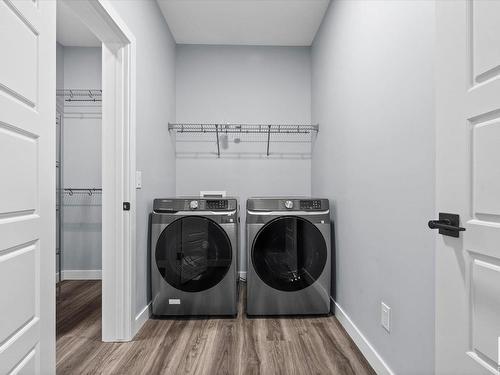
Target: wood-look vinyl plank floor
239	346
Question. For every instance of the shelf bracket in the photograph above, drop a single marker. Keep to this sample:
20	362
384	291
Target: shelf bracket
268	137
217	134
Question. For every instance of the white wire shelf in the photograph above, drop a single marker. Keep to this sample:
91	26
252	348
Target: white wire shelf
82	191
244	128
80	95
269	131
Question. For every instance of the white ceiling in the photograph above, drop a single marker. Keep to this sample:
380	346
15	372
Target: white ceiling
244	22
71	32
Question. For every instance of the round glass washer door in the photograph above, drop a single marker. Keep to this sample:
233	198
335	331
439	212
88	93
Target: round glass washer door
289	253
193	254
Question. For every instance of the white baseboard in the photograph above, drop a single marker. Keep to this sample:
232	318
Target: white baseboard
142	318
371	355
80	275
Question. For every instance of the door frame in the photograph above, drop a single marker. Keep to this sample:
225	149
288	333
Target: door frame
118	165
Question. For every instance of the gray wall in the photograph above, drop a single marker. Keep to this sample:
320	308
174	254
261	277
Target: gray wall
60	110
82	67
82	214
59	66
155	95
372	93
243	85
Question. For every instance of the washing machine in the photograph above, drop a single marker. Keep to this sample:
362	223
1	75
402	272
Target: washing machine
194	256
289	256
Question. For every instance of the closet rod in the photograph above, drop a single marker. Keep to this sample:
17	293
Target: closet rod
83	189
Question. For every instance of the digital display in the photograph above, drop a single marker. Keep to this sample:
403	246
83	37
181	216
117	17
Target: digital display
217	204
310	205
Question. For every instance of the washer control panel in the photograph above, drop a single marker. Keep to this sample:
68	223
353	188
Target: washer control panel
218	204
194	204
313	204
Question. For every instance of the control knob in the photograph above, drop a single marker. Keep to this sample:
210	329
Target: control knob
193	205
289	204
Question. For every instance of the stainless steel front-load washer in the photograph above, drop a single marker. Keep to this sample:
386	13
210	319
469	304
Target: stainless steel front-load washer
194	256
289	252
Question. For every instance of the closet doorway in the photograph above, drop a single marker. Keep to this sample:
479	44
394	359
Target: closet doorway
95	159
79	181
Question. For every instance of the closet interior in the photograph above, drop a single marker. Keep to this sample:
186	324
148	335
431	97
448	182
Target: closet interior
79	191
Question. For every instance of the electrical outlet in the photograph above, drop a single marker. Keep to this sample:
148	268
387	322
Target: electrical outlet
385	316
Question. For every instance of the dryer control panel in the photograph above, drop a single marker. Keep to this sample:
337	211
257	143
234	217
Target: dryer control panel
287	204
314	204
303	204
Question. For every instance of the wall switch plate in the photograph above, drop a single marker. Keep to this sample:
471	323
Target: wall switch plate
138	179
385	317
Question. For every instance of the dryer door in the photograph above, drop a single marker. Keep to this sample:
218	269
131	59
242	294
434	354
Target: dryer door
289	253
193	254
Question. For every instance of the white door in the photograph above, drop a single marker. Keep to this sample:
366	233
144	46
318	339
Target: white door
468	184
27	187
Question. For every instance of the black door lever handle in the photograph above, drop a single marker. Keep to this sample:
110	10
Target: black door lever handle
448	224
444	224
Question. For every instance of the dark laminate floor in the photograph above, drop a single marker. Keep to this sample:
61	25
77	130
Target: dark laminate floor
200	346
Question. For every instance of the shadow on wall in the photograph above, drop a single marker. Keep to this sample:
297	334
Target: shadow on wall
333	290
243	146
148	260
242	155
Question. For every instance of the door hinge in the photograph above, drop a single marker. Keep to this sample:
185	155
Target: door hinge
126	206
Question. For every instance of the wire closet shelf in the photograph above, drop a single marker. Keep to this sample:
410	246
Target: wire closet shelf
84	191
227	128
80	95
